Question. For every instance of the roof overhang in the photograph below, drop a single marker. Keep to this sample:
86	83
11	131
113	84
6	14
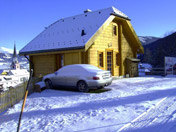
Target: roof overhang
136	40
126	25
121	16
51	50
98	32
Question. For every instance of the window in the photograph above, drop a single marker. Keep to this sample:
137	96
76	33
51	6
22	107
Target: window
100	56
21	79
117	59
7	78
83	32
114	30
62	60
109	61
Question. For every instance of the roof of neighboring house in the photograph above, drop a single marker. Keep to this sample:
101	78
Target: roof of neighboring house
16	72
71	33
19	72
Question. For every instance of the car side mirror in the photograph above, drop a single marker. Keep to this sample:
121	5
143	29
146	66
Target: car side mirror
56	73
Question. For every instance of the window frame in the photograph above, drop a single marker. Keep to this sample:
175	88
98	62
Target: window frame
62	60
114	30
117	58
101	53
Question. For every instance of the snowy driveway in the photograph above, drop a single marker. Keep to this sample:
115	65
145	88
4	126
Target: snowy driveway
140	104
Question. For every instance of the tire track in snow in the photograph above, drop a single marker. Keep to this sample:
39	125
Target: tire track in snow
147	84
153	116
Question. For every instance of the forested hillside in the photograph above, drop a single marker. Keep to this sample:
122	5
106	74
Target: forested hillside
155	52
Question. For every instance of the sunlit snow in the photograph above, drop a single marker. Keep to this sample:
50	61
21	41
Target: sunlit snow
142	104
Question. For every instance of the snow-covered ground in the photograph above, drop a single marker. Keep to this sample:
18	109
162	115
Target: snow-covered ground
142	104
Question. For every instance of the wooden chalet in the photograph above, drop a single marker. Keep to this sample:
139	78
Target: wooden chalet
104	38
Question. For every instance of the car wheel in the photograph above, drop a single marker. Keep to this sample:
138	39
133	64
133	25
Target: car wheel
82	86
48	84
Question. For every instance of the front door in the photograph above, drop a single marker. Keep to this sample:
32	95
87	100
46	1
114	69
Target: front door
59	61
109	61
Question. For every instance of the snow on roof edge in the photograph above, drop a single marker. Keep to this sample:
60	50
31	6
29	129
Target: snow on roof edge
97	30
51	50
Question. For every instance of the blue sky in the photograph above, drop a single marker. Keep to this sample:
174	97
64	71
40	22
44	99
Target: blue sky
22	20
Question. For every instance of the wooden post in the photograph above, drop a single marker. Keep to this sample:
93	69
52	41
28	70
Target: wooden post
120	48
26	93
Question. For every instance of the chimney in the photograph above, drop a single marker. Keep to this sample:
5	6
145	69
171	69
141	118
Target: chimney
87	10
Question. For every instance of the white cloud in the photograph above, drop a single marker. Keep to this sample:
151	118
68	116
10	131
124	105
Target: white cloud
6	50
169	32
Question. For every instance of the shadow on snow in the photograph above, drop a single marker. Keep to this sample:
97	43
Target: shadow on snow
95	104
160	127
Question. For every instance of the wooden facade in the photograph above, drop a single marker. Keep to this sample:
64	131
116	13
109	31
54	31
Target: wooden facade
109	49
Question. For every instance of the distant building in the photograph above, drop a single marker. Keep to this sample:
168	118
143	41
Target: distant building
13	76
144	69
15	64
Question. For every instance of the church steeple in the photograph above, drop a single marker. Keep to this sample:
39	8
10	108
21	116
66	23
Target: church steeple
14	51
15	64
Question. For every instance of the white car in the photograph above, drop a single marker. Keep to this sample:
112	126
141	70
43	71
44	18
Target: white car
81	76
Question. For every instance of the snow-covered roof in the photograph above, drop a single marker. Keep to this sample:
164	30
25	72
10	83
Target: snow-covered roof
145	65
66	33
133	59
19	72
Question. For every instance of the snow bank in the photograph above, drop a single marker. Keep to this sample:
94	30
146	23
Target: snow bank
65	111
41	84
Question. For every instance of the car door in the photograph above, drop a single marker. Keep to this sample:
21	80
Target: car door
59	79
69	77
72	76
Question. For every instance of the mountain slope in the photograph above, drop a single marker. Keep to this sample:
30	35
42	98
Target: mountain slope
145	40
155	52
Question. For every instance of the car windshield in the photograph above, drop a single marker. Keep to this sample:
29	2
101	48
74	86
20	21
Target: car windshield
78	68
90	68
